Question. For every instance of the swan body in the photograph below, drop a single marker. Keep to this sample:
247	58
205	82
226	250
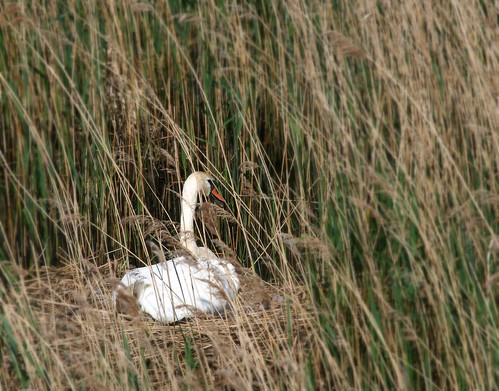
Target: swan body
176	289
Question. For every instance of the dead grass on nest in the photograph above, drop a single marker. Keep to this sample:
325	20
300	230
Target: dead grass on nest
263	338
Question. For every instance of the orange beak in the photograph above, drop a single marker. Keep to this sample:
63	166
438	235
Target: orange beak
217	195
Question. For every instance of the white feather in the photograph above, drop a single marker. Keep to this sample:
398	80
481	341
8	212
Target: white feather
173	290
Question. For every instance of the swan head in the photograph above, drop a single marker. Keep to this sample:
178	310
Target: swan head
197	185
200	183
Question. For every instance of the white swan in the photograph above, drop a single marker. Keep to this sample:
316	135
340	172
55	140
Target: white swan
173	290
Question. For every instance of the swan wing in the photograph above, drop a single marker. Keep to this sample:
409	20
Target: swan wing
170	291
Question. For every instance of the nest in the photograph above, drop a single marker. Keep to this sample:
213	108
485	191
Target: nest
260	340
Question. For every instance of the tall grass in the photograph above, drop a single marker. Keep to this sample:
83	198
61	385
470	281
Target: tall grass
356	143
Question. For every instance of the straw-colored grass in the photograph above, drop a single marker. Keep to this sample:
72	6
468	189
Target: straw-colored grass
357	146
85	343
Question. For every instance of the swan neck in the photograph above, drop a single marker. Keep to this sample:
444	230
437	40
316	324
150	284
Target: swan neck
188	207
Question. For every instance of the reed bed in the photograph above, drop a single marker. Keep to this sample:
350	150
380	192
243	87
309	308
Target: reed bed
249	344
358	149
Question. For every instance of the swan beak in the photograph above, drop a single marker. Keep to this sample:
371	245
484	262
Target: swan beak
216	196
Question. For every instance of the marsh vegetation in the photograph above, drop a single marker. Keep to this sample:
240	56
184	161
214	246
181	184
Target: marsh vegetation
357	146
